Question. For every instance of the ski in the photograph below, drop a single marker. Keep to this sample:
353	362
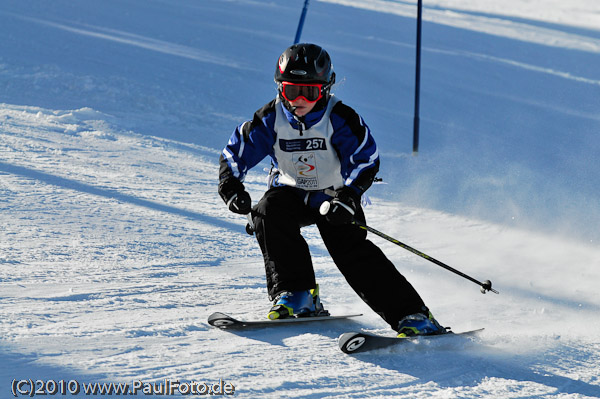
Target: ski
225	321
356	342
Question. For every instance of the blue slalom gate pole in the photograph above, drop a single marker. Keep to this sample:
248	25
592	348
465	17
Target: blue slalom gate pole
416	121
301	22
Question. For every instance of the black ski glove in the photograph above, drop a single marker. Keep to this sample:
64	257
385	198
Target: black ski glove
343	206
235	196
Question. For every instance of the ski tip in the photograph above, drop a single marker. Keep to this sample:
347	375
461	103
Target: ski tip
351	342
221	320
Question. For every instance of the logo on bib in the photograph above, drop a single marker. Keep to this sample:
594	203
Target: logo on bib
306	170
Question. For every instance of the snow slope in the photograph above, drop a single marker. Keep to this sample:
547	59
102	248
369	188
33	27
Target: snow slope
114	247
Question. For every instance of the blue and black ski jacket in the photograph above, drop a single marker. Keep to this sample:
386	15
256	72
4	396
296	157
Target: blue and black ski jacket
326	149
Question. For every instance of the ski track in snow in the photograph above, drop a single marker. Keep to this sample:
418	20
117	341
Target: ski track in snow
502	21
105	279
137	41
115	247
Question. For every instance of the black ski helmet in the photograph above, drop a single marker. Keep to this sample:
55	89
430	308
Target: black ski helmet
305	63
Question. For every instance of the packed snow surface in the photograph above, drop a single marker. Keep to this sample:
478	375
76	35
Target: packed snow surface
115	247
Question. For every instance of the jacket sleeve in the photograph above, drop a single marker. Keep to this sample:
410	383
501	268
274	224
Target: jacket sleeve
356	148
249	144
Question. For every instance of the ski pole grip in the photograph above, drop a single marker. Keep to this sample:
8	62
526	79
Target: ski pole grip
324	208
250	229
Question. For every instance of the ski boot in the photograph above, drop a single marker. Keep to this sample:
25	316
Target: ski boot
303	303
419	324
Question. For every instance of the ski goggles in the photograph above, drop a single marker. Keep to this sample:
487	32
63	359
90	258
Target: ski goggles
311	92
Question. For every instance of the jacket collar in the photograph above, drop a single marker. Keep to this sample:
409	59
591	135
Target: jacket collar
308	120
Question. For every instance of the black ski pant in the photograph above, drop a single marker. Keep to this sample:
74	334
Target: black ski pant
278	218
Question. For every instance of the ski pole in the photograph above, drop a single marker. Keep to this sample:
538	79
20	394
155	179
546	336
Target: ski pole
485	286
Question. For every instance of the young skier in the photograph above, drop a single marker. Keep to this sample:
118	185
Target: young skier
321	150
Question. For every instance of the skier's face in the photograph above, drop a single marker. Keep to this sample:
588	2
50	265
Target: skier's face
302	107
